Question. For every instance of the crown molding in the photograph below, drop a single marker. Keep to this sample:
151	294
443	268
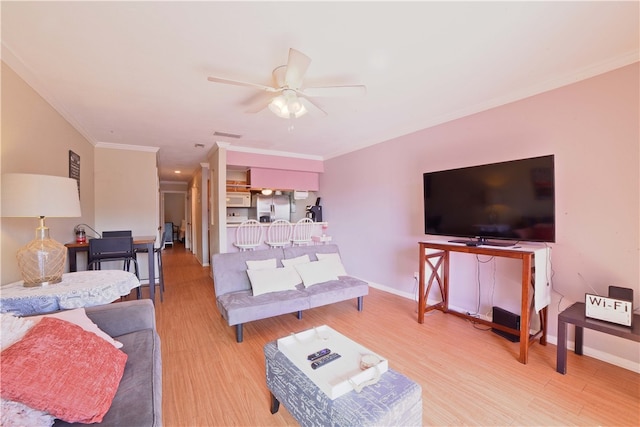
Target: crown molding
114	146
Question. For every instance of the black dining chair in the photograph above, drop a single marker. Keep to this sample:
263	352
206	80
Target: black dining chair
108	249
119	233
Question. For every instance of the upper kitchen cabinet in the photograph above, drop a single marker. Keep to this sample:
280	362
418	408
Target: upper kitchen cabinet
277	172
259	178
237	181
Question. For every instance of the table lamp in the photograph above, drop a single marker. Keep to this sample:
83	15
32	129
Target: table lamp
42	260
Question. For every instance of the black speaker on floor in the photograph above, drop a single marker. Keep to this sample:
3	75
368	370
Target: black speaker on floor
508	319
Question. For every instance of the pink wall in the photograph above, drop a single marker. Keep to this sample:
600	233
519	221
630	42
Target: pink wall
372	198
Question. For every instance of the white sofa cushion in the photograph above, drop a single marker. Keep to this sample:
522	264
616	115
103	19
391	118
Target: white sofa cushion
273	280
316	272
336	262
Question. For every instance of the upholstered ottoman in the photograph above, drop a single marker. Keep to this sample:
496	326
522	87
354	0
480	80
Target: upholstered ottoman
394	400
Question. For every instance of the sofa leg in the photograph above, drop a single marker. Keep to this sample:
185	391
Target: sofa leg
299	315
360	301
239	332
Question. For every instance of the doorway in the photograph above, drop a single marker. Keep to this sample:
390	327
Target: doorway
174	210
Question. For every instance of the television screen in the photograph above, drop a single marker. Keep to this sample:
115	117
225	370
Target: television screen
511	200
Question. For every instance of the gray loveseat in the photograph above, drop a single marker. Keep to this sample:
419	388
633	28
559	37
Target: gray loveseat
138	401
238	305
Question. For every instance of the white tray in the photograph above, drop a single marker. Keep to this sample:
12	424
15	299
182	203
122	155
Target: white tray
339	376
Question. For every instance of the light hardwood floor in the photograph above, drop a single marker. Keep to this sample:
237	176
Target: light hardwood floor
469	376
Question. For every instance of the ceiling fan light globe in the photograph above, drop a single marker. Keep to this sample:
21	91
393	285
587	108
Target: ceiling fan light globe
294	105
278	106
287	107
301	111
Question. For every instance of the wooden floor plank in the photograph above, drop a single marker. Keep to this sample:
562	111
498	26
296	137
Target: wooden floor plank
469	375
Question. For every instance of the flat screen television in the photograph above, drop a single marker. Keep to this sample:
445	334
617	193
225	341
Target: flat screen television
513	200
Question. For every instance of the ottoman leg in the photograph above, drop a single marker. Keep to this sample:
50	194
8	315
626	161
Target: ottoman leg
275	404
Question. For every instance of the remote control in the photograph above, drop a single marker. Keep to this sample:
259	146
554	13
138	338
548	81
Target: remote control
324	360
318	354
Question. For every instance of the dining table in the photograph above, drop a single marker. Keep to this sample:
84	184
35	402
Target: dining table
78	289
139	242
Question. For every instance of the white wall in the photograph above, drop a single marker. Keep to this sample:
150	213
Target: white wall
218	207
200	221
127	194
37	139
372	198
126	191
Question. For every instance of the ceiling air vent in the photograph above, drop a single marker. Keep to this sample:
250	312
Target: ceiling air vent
227	135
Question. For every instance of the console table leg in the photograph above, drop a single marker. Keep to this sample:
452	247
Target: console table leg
526	307
72	255
543	321
561	352
579	336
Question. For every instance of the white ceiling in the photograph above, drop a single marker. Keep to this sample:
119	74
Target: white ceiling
135	73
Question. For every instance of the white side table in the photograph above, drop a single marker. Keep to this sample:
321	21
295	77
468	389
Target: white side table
79	289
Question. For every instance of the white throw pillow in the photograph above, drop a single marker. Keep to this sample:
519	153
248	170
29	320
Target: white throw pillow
13	329
290	262
79	317
262	264
273	280
316	272
16	414
334	259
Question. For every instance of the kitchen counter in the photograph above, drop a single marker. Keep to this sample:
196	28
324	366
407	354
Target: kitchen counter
231	234
266	224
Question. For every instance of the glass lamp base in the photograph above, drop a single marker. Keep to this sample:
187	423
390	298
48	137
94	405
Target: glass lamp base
42	262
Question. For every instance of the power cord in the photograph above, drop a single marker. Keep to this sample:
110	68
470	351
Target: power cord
77	227
478	281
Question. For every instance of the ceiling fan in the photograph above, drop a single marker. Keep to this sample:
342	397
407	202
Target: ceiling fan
290	99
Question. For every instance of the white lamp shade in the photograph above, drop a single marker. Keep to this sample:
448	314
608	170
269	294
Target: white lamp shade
29	195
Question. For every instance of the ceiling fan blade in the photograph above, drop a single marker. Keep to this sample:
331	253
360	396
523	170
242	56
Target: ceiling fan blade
311	106
258	102
296	68
239	83
336	91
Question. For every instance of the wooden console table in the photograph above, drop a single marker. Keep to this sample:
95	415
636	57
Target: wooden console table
440	259
575	315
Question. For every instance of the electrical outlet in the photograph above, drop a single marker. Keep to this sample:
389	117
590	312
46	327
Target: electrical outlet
415	275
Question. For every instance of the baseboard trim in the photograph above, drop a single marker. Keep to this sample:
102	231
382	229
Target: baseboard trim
551	339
